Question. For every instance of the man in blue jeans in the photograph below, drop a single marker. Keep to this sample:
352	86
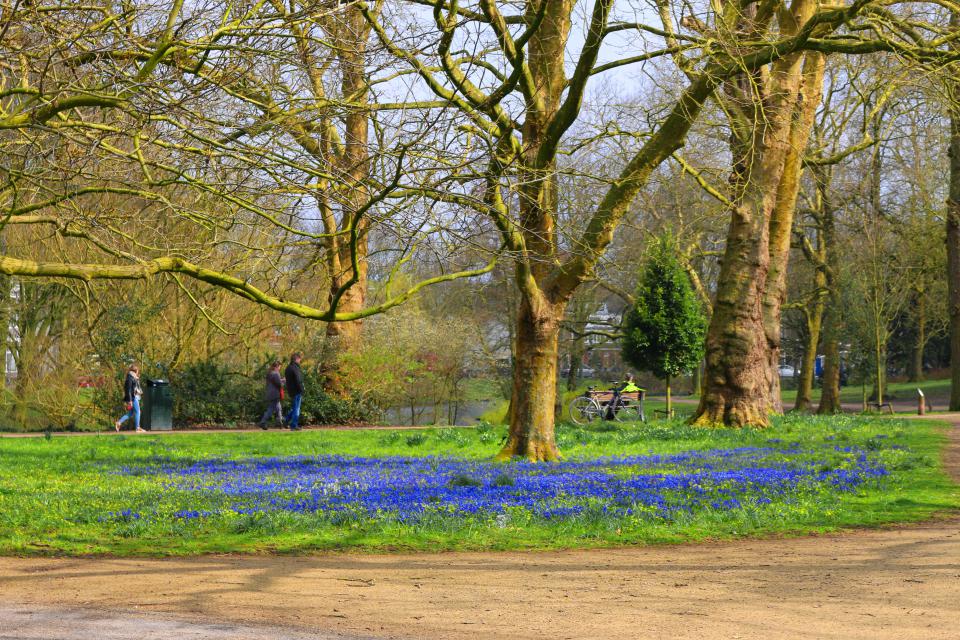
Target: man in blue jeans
294	379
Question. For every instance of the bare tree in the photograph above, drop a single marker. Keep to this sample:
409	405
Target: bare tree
444	148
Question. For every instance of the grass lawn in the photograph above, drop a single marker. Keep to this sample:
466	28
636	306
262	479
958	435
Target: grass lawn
853	393
497	413
437	489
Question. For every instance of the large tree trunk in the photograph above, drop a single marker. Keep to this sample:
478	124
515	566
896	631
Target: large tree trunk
741	372
534	391
534	383
344	337
953	268
772	114
737	376
953	231
545	280
781	220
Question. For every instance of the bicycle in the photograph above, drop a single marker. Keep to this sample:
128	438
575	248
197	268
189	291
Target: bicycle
599	405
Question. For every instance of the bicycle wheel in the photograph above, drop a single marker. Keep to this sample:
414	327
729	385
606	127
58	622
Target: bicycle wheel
584	410
627	411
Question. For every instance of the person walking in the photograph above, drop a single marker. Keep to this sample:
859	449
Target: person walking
294	379
273	393
132	392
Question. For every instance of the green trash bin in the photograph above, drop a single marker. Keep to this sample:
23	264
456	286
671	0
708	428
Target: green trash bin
157	406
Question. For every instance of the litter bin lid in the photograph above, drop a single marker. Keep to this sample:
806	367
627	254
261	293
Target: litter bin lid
158	383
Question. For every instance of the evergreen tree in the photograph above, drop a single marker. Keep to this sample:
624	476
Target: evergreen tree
665	328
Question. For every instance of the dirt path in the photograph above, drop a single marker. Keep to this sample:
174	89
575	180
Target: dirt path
895	583
45	623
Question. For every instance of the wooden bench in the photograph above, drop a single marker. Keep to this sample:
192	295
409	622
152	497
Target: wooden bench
631	399
607	396
878	406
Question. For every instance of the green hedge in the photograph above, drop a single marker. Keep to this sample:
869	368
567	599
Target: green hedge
207	393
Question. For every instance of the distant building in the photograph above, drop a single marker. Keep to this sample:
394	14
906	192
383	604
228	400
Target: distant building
601	357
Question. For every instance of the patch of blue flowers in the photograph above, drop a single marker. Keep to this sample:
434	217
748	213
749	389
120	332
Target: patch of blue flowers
409	489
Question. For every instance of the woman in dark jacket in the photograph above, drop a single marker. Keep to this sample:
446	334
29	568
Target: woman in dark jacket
273	392
131	398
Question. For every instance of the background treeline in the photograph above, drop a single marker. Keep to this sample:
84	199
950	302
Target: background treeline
441	201
71	345
876	214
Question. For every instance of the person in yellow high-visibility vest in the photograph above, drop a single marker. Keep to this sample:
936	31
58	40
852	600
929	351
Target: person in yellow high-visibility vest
627	386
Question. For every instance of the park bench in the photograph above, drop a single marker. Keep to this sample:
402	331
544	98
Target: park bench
879	406
607	396
598	405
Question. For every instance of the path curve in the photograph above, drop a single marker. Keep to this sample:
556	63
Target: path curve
899	583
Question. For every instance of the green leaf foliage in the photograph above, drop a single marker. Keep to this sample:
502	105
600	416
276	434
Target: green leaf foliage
665	328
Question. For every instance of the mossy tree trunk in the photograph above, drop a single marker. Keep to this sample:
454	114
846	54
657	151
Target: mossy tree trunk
534	383
771	118
737	376
546	288
781	220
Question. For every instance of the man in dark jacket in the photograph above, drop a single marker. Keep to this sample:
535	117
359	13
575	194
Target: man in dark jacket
272	393
294	377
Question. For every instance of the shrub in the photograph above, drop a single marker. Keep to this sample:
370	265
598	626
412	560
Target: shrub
320	407
53	405
208	393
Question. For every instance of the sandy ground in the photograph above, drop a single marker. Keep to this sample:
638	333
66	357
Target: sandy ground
896	583
43	623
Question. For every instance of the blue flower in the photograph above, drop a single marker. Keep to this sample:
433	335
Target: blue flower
405	490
